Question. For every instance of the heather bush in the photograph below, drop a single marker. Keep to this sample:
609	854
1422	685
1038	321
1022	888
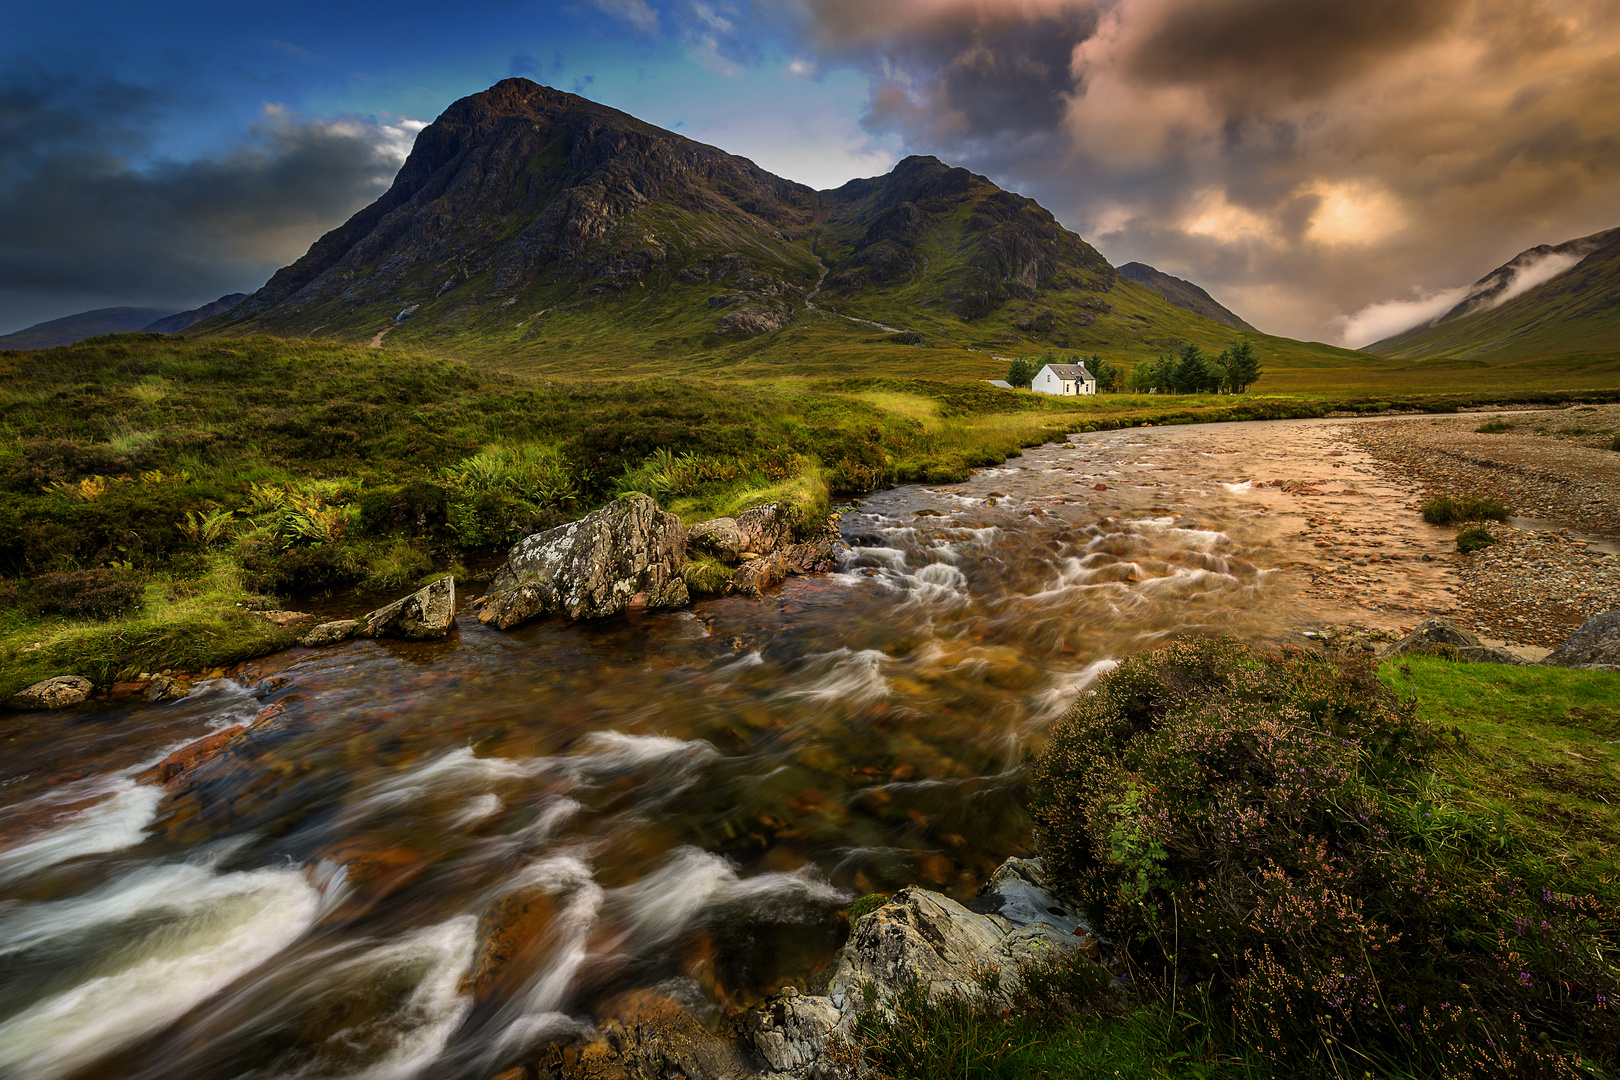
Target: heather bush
1448	510
1255	826
76	594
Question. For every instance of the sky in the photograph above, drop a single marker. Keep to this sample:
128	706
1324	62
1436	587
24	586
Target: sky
1332	171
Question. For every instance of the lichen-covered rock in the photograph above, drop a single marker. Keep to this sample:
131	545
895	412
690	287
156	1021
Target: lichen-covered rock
425	615
1439	636
627	554
753	319
1595	645
330	633
60	692
720	538
764	528
918	935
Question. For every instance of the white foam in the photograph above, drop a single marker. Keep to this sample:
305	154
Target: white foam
115	823
662	904
614	752
198	932
854	678
413	1034
476	810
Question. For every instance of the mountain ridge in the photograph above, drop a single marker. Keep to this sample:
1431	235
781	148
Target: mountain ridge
534	226
1184	294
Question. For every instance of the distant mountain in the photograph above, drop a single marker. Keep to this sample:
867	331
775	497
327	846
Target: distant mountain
548	232
71	328
1550	300
1184	294
179	321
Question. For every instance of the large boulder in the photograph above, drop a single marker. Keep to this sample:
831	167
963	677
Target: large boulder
627	554
765	528
720	538
1595	645
917	935
1440	637
425	615
61	692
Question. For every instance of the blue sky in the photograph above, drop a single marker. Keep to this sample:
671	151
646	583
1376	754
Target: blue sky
1326	170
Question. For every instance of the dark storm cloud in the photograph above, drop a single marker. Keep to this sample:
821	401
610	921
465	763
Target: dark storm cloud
1305	160
83	225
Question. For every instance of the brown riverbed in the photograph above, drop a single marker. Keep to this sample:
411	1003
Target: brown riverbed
431	859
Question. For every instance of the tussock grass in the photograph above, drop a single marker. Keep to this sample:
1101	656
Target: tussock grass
1494	426
1450	509
1472	540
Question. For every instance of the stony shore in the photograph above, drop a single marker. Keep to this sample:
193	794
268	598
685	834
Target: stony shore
1554	566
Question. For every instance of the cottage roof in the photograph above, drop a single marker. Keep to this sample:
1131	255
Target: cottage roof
1072	371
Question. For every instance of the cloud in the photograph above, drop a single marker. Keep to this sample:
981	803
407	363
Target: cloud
1313	157
87	223
638	13
1378	321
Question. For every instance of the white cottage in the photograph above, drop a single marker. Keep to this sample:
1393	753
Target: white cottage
1064	379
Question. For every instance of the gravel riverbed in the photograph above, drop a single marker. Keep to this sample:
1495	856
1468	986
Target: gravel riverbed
1554	565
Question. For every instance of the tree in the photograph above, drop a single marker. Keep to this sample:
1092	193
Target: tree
1021	372
1149	375
1242	367
1193	374
1108	376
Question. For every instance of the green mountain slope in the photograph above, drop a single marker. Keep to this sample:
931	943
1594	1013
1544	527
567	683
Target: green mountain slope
1183	294
1576	312
550	234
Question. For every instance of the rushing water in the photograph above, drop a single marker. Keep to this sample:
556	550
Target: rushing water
434	858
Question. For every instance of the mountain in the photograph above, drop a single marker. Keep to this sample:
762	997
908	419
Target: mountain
1547	301
1183	294
550	233
71	328
179	321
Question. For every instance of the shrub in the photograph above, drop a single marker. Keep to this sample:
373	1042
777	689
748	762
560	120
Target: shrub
1494	426
1255	825
77	594
1448	510
418	507
1471	540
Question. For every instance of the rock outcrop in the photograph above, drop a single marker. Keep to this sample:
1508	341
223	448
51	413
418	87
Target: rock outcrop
627	554
918	935
1439	636
61	692
425	615
1595	645
765	528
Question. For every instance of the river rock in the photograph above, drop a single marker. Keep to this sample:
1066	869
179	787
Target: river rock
1595	645
629	553
1439	636
923	935
764	528
60	692
757	575
425	615
652	1037
720	538
165	688
330	633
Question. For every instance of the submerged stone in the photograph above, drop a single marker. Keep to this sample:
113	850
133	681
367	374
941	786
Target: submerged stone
425	615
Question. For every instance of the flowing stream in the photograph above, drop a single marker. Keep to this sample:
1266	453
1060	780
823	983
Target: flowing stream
433	858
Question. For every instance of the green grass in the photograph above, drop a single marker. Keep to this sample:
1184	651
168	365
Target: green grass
1535	778
1494	426
1472	540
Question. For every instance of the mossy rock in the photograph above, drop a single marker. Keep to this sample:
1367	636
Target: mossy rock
707	576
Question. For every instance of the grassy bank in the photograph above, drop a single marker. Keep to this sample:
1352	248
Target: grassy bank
1457	919
152	488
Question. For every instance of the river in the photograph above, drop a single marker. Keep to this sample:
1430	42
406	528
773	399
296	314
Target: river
430	859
